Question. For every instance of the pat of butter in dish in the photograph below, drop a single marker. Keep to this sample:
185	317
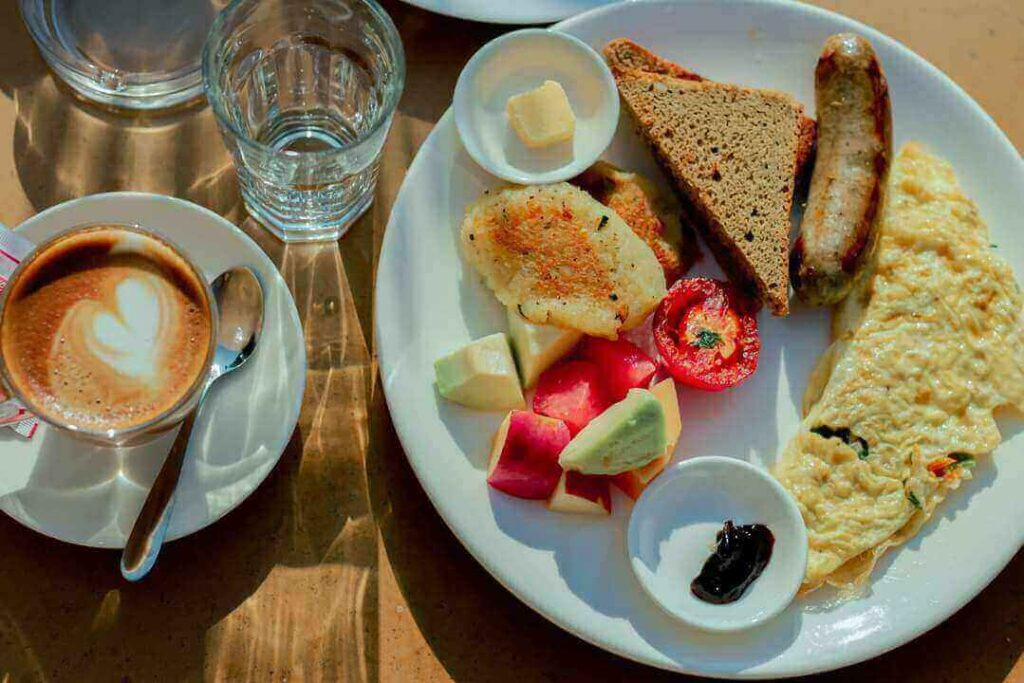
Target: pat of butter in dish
542	117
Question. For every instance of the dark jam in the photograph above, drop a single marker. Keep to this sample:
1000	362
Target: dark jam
742	554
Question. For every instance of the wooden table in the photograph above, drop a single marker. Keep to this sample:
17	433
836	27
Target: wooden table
338	568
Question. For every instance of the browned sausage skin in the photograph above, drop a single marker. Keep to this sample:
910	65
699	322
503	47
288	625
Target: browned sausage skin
854	148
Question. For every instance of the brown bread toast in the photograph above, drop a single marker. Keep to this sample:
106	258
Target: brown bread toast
736	155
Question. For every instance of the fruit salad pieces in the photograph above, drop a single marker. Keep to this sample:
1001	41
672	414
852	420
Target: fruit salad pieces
602	413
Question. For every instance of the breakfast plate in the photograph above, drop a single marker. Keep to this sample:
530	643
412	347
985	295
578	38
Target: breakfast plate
90	495
521	12
575	570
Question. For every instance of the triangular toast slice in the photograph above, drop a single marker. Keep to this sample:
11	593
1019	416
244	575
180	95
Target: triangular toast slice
735	154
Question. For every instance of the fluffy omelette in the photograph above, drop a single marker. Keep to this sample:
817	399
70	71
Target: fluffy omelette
926	347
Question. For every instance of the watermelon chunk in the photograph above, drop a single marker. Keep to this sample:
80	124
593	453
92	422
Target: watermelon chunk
623	366
571	391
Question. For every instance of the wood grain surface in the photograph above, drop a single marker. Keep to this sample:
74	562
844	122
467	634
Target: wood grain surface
338	568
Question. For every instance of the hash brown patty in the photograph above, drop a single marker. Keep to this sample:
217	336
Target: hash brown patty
562	258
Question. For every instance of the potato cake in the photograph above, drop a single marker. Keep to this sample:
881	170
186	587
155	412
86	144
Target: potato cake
562	258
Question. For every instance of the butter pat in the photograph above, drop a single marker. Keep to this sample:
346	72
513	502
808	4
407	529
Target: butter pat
542	117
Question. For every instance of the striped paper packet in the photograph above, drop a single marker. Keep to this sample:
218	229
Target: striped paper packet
13	248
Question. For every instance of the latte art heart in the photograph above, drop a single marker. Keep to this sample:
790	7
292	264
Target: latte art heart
126	334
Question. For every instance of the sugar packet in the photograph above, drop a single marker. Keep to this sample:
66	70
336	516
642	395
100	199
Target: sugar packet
13	248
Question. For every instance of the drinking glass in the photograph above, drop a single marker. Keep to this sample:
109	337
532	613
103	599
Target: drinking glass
304	92
137	54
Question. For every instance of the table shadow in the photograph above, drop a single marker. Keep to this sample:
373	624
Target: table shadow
68	615
331	590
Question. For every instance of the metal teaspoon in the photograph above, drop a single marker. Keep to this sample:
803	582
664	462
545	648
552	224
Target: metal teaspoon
240	303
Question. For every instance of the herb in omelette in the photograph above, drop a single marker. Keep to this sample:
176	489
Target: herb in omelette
858	444
913	500
962	460
707	339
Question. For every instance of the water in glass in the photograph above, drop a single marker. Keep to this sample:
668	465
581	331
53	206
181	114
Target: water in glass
305	110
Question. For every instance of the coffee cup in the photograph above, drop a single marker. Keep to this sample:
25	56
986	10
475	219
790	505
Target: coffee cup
107	331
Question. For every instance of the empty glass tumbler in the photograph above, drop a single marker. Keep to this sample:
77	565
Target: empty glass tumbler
137	54
304	92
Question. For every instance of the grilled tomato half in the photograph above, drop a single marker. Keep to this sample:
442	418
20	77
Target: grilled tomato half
706	331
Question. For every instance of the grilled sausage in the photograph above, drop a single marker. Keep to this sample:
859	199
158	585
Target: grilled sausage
854	147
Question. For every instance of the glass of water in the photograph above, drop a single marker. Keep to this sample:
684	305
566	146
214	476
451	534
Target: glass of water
304	92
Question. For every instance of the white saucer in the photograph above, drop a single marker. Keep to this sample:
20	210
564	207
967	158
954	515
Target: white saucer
90	495
672	533
520	61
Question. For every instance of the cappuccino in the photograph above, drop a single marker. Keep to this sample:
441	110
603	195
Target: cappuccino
105	328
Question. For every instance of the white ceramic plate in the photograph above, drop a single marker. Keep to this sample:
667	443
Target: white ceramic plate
509	11
90	495
575	571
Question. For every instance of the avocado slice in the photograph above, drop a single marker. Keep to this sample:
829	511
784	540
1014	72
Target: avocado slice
629	434
481	375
